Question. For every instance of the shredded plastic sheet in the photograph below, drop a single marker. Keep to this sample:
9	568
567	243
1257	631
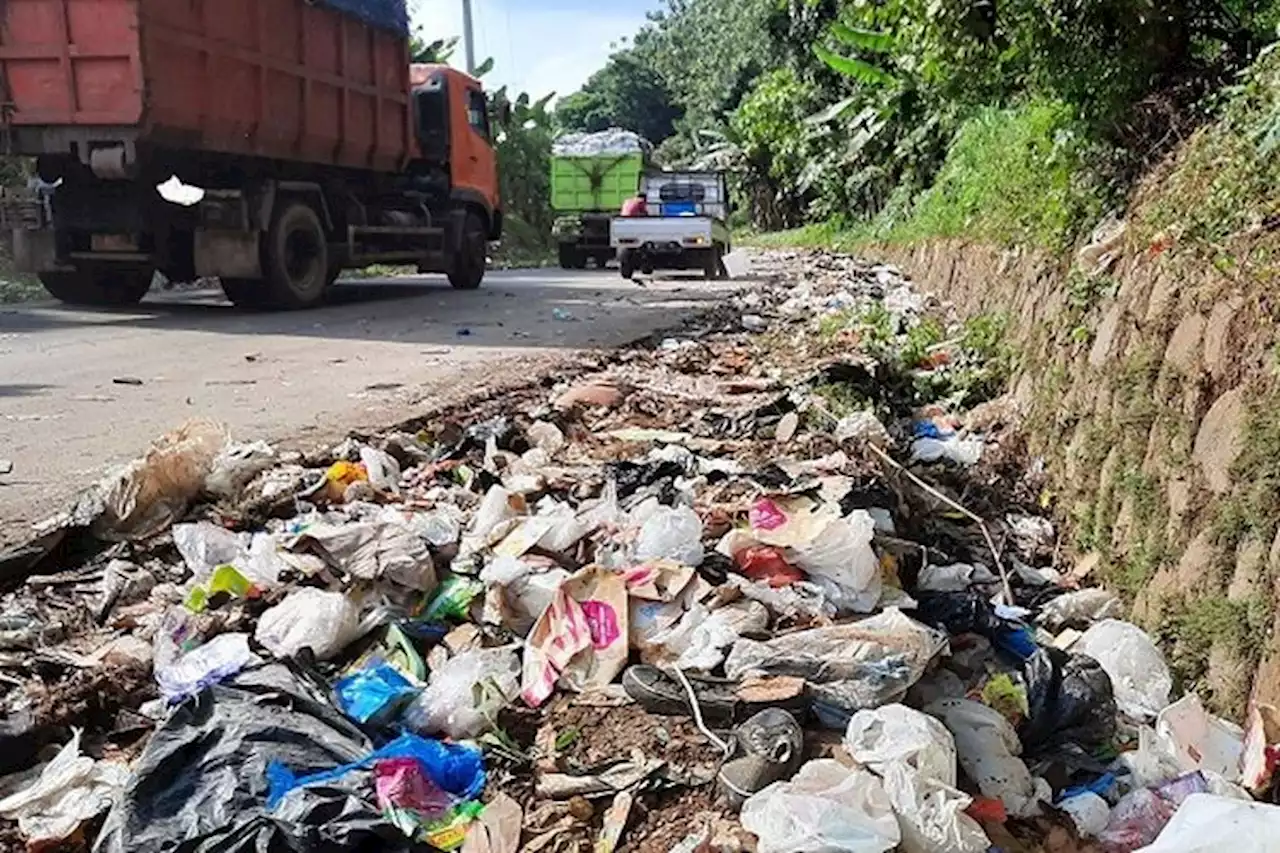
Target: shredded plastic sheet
384	14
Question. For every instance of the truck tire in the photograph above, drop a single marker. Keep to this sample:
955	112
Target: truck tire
627	263
568	256
98	288
250	293
469	266
296	259
712	264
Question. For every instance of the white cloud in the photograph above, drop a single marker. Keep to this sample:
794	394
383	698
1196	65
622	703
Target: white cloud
535	51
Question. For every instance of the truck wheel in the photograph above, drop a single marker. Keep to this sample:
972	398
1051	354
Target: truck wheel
297	259
246	292
469	267
98	288
627	263
568	256
712	263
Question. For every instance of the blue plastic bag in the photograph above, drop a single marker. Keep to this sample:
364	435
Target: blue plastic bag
376	691
457	768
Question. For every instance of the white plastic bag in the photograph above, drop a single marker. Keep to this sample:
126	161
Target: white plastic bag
189	673
898	734
1139	675
383	469
1206	823
465	695
988	749
325	622
71	789
842	562
1089	812
826	807
519	592
204	547
236	465
672	534
931	814
962	451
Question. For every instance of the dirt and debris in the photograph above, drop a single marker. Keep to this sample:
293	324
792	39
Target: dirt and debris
573	616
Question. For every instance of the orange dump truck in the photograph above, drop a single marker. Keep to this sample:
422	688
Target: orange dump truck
302	142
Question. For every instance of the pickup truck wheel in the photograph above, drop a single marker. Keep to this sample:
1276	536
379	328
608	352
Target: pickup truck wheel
469	266
627	264
712	264
98	288
297	259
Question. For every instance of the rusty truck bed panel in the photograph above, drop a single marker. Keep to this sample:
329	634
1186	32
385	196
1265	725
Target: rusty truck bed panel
282	79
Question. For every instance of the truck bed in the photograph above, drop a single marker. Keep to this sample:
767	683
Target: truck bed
278	79
686	231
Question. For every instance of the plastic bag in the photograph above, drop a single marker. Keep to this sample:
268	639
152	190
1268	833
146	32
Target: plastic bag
825	807
672	534
1069	701
1210	824
1083	608
201	781
148	495
191	672
452	600
205	547
466	694
382	469
898	734
401	784
580	641
325	622
954	578
961	451
372	550
71	789
235	466
375	692
988	750
852	667
1200	741
519	592
1136	821
1089	812
835	552
767	565
1261	750
456	768
842	562
1139	675
931	814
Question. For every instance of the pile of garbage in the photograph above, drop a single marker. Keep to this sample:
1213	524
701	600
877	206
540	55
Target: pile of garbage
783	580
614	142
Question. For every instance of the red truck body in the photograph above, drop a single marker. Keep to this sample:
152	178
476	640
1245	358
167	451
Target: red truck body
281	79
316	144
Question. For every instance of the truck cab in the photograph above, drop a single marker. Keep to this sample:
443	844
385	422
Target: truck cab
454	135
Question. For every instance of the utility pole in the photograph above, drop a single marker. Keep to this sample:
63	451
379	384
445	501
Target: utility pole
468	36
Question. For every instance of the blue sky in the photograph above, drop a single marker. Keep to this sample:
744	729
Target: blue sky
539	46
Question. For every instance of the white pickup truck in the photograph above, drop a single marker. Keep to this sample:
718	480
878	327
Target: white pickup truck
684	228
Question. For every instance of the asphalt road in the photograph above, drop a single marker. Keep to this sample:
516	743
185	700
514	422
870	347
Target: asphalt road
81	390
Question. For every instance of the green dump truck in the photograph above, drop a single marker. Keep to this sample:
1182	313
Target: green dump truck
592	174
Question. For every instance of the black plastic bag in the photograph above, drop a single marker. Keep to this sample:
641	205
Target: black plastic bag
201	783
1070	700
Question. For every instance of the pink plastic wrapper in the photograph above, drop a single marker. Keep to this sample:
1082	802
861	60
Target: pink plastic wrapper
1136	821
401	784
